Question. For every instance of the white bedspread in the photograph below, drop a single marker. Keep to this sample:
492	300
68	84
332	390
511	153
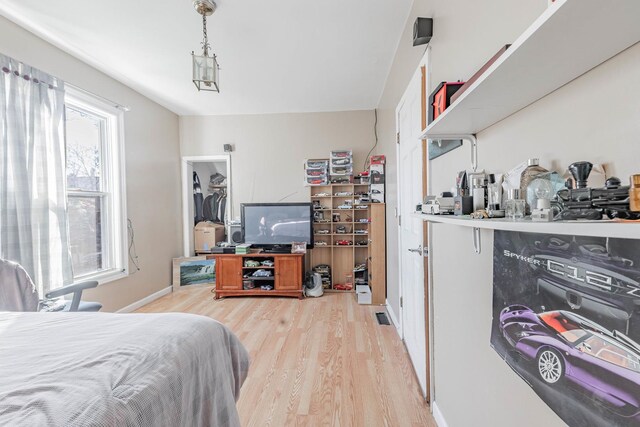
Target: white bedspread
102	369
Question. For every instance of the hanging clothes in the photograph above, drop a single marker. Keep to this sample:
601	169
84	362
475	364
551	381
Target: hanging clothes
215	204
207	212
222	206
197	199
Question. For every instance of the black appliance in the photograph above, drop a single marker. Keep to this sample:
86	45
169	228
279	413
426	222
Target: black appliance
274	226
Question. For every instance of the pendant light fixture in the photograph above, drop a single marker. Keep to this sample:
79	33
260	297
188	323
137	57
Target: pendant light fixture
205	66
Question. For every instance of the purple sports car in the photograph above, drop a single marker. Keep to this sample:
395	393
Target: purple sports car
602	364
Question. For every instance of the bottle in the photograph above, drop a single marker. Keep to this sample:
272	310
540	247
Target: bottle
495	193
634	193
495	207
515	205
478	193
526	177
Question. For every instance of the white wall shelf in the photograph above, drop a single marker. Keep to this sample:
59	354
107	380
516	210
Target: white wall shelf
570	38
621	229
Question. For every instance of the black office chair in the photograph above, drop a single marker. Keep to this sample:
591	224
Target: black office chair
19	293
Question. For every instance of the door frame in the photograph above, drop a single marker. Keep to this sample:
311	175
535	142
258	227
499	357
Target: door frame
423	72
187	193
398	316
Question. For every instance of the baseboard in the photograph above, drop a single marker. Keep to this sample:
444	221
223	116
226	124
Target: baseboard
437	415
146	300
393	317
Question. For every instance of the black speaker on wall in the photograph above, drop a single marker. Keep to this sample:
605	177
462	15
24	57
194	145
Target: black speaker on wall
422	31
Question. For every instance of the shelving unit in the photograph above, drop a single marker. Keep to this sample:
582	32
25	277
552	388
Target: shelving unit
231	269
343	258
570	38
603	228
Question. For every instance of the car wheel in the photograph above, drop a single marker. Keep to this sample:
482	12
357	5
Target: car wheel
550	366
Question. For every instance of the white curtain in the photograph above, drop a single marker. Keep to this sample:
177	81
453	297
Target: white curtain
33	215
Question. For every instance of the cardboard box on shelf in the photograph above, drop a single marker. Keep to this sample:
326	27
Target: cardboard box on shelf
206	234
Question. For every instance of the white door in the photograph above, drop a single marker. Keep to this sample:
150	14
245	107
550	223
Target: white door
409	126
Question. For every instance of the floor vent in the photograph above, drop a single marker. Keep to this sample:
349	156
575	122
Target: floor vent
382	318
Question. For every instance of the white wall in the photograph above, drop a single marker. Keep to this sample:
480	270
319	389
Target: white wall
571	124
270	149
466	35
405	62
473	385
152	166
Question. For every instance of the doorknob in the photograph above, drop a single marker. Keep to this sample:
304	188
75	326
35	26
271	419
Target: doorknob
417	250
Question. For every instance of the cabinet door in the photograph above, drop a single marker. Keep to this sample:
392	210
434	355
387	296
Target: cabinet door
229	273
288	273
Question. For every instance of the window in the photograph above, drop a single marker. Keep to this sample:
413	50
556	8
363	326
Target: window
608	350
95	188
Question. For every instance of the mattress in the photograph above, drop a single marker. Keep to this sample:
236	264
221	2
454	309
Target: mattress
103	369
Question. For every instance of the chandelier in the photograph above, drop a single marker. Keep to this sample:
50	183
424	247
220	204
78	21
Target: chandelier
205	66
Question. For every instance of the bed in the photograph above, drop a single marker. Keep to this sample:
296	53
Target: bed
102	369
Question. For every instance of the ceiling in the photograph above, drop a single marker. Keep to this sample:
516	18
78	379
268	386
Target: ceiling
275	56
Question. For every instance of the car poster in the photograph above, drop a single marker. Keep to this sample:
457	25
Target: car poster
565	319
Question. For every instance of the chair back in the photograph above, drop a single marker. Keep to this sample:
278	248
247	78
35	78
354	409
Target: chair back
17	290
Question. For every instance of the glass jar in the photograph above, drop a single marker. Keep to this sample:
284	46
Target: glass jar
515	207
532	170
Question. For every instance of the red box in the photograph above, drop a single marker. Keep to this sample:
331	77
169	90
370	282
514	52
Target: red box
440	98
377	160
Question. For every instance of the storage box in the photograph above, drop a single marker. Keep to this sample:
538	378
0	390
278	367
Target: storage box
440	98
206	234
346	161
317	180
376	174
341	154
378	159
316	172
376	192
341	170
317	164
363	294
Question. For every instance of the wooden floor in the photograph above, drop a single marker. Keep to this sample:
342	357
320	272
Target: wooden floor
318	361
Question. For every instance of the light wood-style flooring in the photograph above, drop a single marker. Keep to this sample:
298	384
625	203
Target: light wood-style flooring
318	361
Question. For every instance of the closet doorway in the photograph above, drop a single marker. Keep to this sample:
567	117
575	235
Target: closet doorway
214	176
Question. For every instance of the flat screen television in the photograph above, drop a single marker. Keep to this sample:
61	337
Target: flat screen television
277	225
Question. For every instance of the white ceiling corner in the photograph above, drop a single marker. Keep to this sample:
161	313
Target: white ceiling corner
275	57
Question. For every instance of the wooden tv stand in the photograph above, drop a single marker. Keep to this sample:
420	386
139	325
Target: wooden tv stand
286	278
